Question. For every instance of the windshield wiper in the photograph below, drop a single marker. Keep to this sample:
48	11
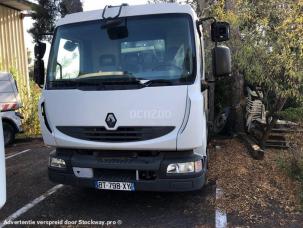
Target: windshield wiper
150	82
97	83
106	75
74	84
116	78
107	83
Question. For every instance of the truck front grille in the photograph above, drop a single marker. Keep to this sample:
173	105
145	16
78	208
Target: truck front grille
122	134
115	175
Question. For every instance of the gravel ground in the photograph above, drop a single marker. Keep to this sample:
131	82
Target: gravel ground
255	192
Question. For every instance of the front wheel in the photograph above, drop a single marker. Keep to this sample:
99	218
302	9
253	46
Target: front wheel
8	133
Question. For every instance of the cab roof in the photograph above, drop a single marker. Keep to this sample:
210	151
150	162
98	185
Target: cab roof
127	11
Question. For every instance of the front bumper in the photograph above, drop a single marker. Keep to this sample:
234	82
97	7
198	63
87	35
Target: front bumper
126	169
160	185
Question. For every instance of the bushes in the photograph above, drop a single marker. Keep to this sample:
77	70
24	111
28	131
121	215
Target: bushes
31	124
293	114
29	98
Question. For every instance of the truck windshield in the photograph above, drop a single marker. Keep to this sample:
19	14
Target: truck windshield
153	48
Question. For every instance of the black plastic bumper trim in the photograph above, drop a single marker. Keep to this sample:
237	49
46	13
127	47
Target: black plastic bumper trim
159	185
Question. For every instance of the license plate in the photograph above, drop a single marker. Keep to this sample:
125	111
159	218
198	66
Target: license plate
119	186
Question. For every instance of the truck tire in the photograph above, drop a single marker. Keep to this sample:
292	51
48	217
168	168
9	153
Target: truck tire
8	133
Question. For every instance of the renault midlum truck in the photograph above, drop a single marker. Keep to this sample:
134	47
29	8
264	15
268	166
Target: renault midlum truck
124	99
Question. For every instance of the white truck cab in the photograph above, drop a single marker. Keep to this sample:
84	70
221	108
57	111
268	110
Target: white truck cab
122	100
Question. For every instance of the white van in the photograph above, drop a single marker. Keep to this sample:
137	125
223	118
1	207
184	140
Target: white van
125	98
9	102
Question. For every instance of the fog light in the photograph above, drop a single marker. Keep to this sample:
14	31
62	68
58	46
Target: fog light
57	163
198	166
188	167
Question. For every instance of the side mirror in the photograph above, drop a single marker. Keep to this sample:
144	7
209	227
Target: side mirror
221	58
39	50
39	72
220	31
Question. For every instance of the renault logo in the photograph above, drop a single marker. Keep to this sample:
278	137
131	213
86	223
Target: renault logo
110	120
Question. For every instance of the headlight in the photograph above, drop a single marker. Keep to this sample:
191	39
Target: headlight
57	163
188	167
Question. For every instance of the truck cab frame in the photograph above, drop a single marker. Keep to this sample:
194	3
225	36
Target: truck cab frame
124	99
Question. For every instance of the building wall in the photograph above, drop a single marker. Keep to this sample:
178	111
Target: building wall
13	54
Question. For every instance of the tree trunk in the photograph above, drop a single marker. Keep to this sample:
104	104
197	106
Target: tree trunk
237	104
237	98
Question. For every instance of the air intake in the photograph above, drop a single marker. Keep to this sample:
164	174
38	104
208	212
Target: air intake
122	134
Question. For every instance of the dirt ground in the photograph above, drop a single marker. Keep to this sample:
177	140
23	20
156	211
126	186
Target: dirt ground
255	192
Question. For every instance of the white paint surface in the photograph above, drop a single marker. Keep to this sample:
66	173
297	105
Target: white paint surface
2	167
221	218
30	205
17	154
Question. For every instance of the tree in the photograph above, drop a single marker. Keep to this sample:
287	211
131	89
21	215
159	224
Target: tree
268	49
70	6
44	14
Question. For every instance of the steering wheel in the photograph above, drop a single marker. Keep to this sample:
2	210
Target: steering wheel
166	66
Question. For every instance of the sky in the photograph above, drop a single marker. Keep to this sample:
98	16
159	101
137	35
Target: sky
87	5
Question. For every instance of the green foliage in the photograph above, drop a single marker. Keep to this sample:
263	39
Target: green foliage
29	109
267	48
70	6
44	14
292	114
31	123
267	43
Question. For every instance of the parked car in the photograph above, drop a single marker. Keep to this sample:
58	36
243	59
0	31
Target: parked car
9	102
11	126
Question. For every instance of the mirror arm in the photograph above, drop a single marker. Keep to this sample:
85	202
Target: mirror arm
200	22
204	86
